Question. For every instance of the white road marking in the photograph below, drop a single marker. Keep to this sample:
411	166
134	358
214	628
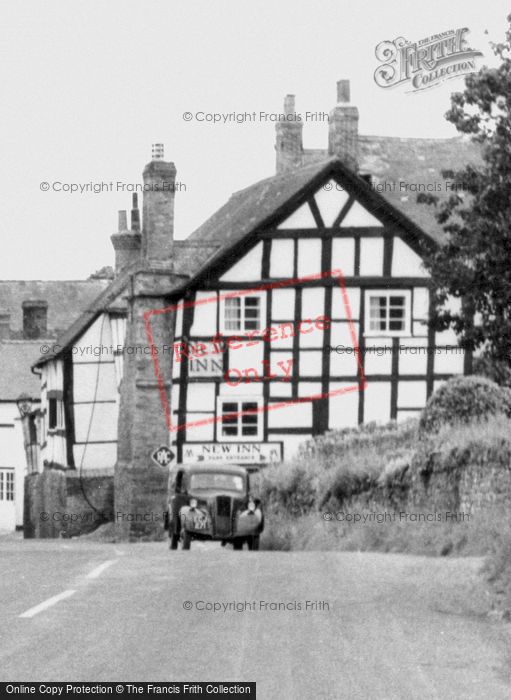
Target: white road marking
48	603
95	573
99	569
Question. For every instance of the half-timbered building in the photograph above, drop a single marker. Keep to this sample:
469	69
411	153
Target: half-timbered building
337	236
32	313
300	306
318	243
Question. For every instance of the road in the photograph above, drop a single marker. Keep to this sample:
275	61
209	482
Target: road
384	626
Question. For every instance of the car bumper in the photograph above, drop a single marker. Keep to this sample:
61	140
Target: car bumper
202	524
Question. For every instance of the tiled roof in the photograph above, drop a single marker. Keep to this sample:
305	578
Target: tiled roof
249	208
66	300
387	159
190	255
16	358
391	159
416	161
111	296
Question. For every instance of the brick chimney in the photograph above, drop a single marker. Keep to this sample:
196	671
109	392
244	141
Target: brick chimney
343	127
5	324
35	319
158	211
289	142
127	243
140	486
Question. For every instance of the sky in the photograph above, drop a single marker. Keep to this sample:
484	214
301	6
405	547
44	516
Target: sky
87	87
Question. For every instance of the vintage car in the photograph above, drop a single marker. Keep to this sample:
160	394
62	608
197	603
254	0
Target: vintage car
212	502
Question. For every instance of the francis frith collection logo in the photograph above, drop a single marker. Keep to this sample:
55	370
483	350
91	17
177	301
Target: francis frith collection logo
425	63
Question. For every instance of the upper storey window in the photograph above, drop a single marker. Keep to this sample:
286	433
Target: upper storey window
242	313
389	313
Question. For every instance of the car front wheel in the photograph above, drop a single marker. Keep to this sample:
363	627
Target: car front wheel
187	540
237	543
253	542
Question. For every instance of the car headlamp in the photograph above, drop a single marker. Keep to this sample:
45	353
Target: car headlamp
251	506
193	503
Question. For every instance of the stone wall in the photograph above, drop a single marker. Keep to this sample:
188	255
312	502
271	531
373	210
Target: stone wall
60	503
465	479
474	477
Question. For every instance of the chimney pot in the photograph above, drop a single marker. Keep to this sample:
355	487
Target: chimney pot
343	91
158	151
123	220
35	318
289	104
127	244
135	214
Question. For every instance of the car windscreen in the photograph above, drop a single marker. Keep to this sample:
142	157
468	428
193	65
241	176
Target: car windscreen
217	481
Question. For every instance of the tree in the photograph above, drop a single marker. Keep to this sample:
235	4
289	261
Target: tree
475	263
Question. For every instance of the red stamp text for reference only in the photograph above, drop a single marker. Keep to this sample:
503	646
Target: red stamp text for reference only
184	350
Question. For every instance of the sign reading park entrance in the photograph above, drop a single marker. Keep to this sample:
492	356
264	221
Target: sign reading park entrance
235	452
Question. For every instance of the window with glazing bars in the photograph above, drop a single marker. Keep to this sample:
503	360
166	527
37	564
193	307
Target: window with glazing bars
238	419
242	313
387	313
6	485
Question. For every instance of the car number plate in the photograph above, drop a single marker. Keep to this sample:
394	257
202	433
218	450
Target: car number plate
200	523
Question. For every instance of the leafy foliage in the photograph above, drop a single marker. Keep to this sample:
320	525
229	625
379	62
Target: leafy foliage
496	370
475	263
337	465
463	399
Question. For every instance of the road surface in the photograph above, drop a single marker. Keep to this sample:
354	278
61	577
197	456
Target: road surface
379	626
